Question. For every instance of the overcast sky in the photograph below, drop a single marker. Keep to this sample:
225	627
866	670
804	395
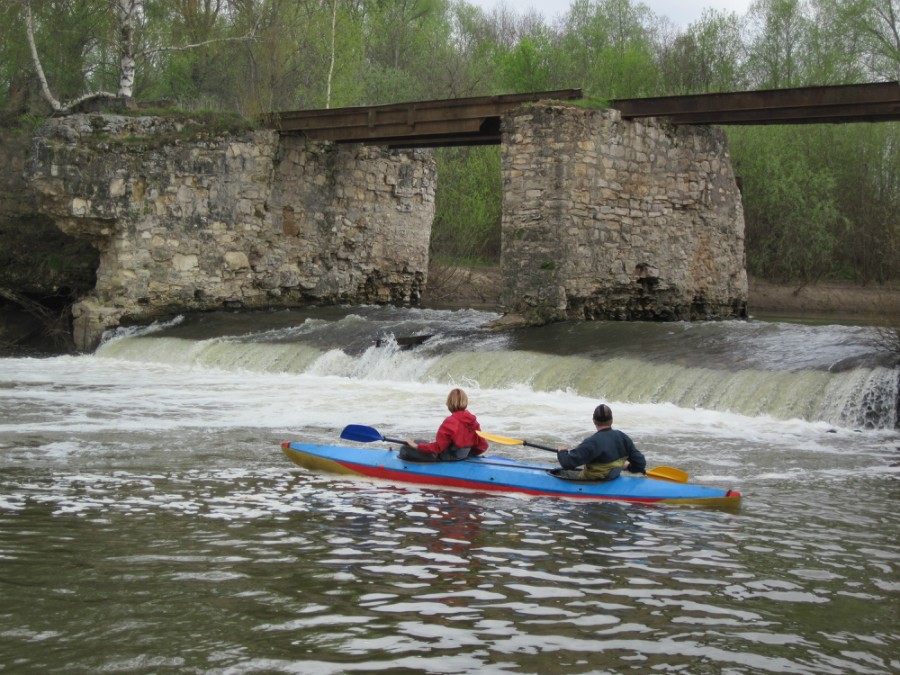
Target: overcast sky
681	12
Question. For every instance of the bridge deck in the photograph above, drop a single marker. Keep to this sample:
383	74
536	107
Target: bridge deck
460	121
476	121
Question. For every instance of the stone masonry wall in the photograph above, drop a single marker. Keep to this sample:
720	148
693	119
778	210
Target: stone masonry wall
611	219
188	220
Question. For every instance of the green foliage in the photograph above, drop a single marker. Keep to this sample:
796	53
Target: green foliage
526	67
25	124
607	48
781	29
789	208
707	57
865	162
820	201
468	208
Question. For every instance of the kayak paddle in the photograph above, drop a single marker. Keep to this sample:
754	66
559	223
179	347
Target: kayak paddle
362	434
503	440
669	473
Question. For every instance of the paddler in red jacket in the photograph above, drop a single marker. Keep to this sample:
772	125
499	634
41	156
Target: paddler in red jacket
456	438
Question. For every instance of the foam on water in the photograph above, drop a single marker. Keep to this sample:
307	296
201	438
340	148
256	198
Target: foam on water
863	396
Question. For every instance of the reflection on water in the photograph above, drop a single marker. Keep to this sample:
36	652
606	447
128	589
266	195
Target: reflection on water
239	570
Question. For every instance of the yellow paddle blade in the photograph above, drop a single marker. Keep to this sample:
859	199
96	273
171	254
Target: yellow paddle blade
668	473
502	440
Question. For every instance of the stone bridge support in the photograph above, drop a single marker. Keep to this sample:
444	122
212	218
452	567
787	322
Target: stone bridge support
611	219
187	220
602	218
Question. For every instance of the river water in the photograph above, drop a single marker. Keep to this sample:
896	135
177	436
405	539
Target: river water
149	522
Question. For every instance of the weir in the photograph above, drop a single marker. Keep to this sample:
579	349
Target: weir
741	381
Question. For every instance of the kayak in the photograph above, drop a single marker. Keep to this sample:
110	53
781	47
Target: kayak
501	475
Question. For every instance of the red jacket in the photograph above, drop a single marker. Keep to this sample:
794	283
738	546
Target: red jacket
459	430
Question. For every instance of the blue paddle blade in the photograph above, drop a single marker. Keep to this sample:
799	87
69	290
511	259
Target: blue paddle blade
361	434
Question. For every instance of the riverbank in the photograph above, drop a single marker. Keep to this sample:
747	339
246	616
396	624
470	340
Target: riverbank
828	299
451	286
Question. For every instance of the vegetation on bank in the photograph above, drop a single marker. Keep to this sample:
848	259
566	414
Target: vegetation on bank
821	201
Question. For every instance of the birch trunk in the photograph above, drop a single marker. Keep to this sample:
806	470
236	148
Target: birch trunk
128	13
45	88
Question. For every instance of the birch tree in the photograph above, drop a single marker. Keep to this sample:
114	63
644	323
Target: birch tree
129	18
127	11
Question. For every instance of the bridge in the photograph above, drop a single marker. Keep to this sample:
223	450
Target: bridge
476	121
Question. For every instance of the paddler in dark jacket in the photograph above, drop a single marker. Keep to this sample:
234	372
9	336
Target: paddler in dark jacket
602	455
456	438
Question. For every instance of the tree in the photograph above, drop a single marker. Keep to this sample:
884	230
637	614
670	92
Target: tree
876	25
608	48
777	57
526	67
129	20
468	204
707	57
400	38
45	89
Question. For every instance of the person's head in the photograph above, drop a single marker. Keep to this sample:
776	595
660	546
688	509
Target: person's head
457	400
602	415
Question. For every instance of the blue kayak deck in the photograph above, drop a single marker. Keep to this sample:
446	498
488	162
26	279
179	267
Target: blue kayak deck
501	474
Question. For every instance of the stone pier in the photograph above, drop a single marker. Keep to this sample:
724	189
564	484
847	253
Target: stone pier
603	218
611	219
189	220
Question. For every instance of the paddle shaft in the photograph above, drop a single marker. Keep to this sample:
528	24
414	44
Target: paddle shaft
539	447
503	440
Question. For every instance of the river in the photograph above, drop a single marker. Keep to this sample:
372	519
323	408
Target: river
149	522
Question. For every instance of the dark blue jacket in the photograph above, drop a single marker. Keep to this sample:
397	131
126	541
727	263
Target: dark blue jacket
604	447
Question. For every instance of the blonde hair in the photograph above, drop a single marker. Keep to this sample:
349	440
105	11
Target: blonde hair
457	400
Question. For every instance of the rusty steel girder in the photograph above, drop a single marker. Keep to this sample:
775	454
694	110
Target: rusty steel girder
874	102
461	121
476	121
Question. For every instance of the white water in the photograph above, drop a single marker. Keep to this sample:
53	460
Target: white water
168	385
864	396
150	523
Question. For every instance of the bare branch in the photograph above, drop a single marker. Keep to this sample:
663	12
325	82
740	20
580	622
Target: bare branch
184	48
